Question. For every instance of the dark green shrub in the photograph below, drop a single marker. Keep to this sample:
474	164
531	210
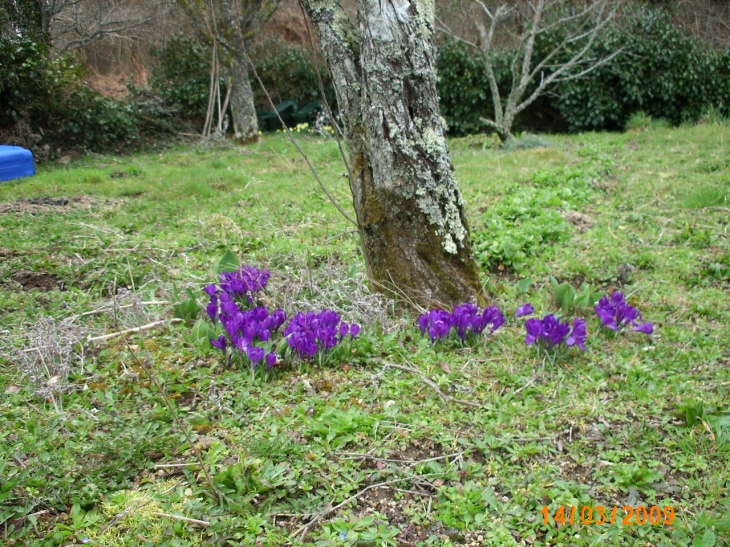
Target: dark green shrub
661	71
463	89
182	78
44	101
288	72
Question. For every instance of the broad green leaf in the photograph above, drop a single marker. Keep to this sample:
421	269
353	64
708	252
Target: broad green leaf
523	285
229	263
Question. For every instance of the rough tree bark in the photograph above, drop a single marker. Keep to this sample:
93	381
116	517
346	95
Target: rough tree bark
410	213
243	110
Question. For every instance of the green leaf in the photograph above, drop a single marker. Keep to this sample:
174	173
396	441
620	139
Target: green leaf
229	263
523	285
187	310
707	540
202	332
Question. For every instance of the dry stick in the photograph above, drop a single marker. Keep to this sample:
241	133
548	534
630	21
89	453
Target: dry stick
301	531
336	127
291	137
355	456
184	519
135	329
444	398
175	417
211	90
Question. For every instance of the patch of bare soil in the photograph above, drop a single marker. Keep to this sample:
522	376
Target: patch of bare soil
8	253
42	281
34	206
581	221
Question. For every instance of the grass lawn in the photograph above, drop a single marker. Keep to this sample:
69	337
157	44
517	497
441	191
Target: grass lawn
455	444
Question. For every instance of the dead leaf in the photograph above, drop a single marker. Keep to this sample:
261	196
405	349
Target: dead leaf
12	388
445	367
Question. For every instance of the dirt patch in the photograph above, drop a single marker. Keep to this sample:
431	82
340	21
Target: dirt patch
582	222
41	281
34	206
8	253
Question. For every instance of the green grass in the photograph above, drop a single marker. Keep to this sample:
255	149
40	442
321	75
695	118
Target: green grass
635	420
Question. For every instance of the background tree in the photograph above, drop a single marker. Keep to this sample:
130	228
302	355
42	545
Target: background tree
231	24
73	24
548	42
410	213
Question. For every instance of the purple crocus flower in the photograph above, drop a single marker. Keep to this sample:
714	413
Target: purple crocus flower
309	333
578	336
550	331
219	343
616	314
525	309
270	360
244	282
255	354
466	318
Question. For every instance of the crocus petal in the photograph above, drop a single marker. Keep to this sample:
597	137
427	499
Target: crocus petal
646	328
255	354
270	360
219	343
578	336
212	311
354	330
211	289
525	309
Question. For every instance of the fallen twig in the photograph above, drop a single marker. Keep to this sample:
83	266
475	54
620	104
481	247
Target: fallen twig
302	530
130	331
184	519
430	383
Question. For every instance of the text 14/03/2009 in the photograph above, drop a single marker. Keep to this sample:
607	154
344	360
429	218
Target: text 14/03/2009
599	514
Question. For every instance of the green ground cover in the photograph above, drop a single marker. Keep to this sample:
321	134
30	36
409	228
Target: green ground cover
461	445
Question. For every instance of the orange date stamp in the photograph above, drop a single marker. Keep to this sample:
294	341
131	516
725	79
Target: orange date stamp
627	515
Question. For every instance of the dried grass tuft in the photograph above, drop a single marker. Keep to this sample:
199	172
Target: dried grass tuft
46	353
331	286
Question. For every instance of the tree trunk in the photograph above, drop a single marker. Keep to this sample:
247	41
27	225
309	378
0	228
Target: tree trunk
243	110
410	213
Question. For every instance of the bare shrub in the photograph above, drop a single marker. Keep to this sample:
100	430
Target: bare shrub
46	353
334	287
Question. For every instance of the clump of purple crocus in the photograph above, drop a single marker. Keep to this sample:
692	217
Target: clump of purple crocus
551	332
246	281
311	333
245	329
616	314
465	318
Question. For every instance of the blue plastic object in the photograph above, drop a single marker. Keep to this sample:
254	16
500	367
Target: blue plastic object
15	162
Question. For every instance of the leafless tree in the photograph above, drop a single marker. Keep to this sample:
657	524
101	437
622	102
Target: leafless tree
230	24
410	213
68	25
519	25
